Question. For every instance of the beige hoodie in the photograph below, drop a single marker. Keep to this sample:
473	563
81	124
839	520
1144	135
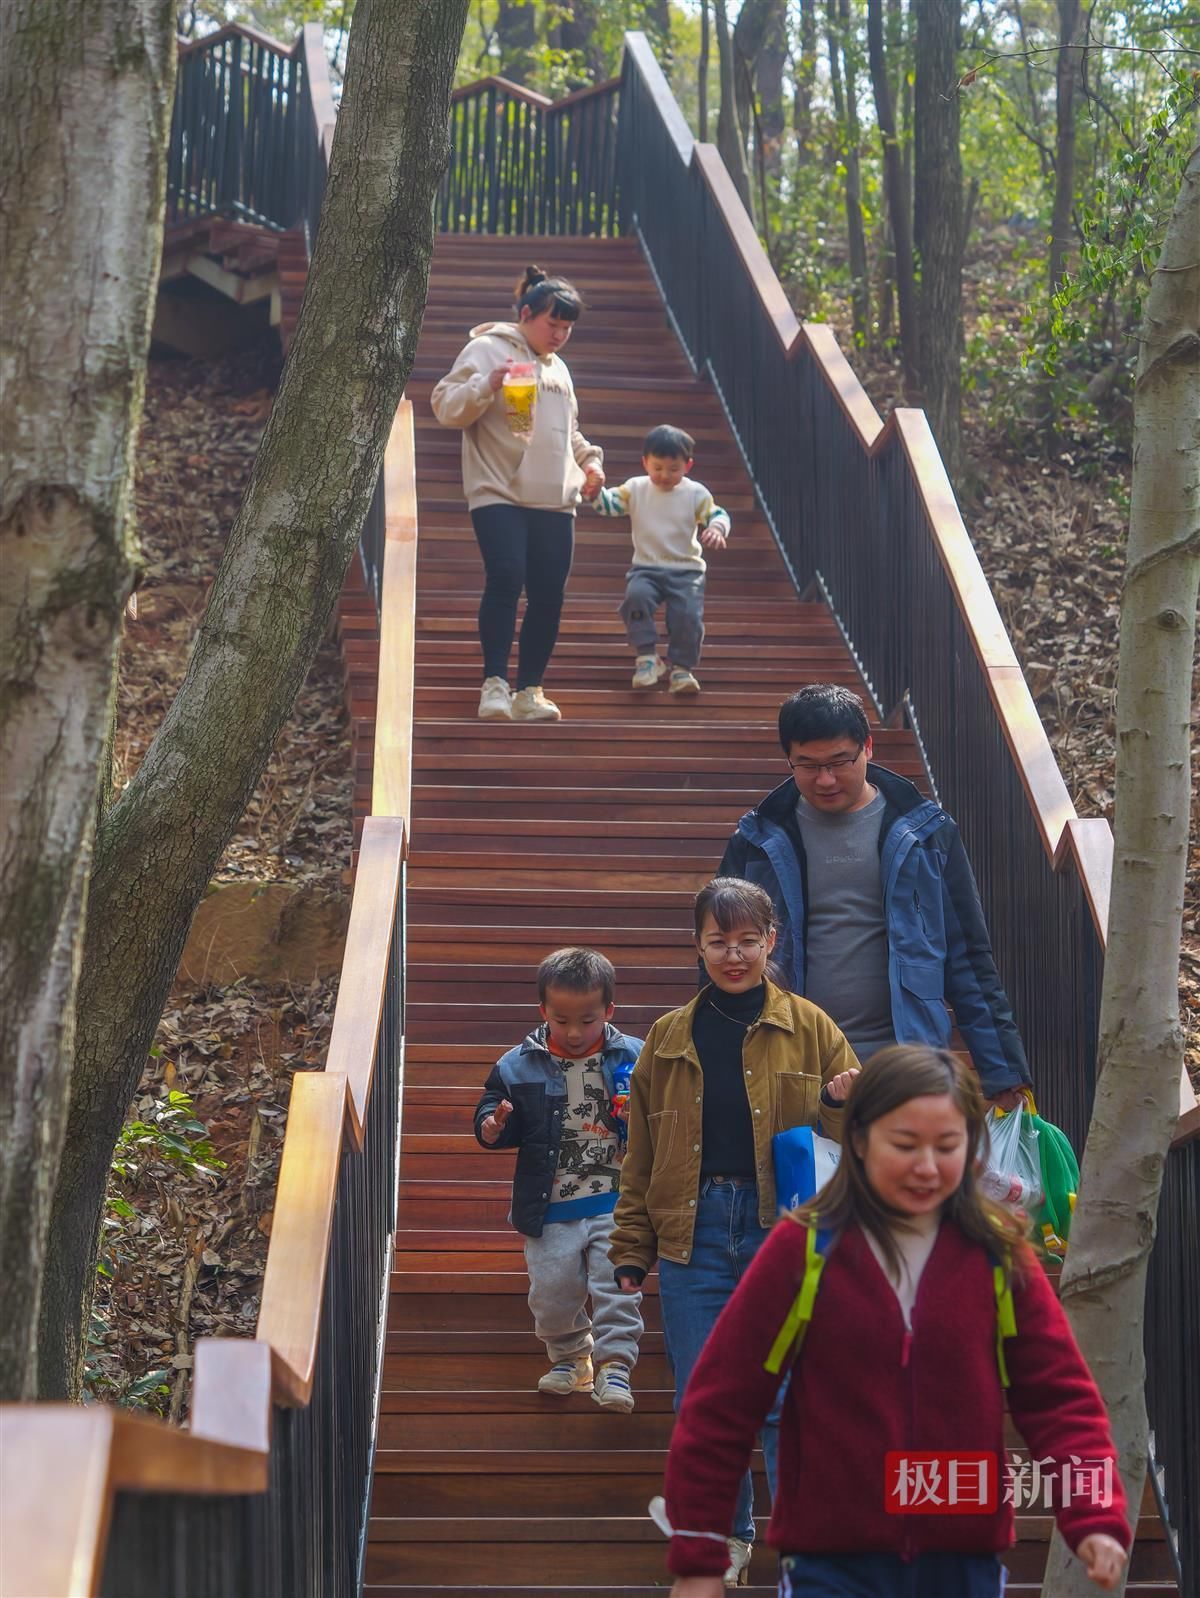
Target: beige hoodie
545	474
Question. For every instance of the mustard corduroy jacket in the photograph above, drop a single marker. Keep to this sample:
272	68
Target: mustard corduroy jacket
788	1054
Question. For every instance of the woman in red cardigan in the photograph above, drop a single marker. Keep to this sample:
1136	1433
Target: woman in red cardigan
891	1456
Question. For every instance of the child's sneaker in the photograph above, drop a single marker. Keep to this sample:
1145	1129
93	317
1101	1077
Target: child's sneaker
495	701
531	704
612	1390
648	670
738	1574
682	682
568	1376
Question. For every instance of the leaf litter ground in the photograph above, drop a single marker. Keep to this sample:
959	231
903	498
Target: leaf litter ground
183	1250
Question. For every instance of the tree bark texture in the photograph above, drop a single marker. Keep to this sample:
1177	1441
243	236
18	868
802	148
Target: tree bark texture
805	77
85	103
846	110
768	79
938	221
287	552
896	191
1067	69
731	141
1141	1042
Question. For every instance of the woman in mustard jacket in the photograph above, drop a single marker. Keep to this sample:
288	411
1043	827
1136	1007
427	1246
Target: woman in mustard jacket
714	1082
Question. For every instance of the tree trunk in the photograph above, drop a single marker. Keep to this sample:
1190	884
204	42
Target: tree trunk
516	34
938	221
895	187
658	23
846	110
271	602
730	140
1141	1043
769	72
702	76
805	77
577	32
1070	27
750	35
85	104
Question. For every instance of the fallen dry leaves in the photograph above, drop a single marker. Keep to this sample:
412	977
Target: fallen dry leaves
185	1254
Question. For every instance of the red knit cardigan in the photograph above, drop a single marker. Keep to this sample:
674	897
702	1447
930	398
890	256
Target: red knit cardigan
863	1386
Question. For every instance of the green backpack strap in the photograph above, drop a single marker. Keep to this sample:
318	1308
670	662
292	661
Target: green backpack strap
790	1337
1006	1315
796	1323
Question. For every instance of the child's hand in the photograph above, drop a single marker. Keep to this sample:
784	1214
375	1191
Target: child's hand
492	1125
1103	1559
496	378
714	538
628	1283
841	1084
593	482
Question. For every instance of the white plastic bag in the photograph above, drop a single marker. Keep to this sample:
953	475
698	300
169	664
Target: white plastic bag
1013	1168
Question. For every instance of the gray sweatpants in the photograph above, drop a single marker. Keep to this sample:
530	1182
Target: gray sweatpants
682	592
566	1264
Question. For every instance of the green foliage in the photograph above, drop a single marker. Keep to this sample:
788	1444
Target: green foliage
170	1135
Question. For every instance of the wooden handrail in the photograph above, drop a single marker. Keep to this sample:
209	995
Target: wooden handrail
391	784
310	48
233	30
1070	842
515	91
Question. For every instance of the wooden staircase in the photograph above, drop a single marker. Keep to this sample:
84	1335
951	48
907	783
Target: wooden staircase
526	838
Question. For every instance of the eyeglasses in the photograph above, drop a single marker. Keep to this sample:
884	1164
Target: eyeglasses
748	949
814	768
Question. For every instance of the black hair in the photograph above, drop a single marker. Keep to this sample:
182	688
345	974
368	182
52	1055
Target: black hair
579	971
732	902
554	294
669	442
822	710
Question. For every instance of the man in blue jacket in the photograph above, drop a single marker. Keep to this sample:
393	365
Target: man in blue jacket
880	922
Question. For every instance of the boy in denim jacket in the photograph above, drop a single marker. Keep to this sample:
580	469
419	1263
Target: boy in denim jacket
552	1099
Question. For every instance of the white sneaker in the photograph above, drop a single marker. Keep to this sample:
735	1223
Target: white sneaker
495	701
612	1389
568	1376
648	670
738	1574
531	704
682	681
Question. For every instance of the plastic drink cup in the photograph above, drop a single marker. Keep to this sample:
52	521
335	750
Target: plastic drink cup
520	399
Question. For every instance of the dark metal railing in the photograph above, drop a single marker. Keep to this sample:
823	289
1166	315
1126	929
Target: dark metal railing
237	141
520	163
856	523
852	516
307	1532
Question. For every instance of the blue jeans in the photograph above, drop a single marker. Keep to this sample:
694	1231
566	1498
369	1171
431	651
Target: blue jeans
888	1576
691	1296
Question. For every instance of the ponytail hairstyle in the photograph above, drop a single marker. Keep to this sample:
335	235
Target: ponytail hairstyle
891	1078
541	293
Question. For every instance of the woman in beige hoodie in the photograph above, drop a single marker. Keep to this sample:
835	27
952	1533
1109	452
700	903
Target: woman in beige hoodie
521	494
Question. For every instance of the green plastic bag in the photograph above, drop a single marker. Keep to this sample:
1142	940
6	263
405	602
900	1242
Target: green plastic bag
1060	1183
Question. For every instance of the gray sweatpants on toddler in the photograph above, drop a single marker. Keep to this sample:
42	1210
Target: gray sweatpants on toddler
566	1264
682	592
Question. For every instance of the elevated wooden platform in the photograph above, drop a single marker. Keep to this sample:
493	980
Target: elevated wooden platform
525	838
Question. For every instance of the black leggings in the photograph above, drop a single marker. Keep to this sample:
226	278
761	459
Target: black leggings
528	549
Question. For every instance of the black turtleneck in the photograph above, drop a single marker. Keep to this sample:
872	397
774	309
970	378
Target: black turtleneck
718	1031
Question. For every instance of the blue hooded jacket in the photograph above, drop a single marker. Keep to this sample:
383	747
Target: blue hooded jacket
939	951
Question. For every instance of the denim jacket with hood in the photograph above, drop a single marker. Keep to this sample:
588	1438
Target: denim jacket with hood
939	951
533	1081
